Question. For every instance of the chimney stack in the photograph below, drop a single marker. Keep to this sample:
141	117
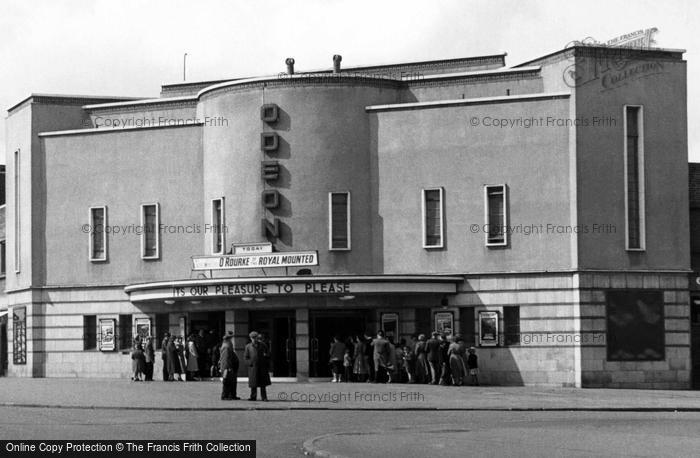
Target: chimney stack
290	65
336	63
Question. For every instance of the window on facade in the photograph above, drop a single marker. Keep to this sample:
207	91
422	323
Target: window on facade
150	237
635	325
17	208
3	260
634	177
495	202
217	225
339	220
89	332
19	335
467	319
125	332
432	218
98	236
511	325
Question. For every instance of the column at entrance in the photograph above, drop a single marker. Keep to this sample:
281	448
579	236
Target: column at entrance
237	321
302	347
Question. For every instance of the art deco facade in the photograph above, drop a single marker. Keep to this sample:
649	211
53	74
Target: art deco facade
541	211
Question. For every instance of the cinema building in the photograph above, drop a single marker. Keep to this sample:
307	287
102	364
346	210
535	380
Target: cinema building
540	210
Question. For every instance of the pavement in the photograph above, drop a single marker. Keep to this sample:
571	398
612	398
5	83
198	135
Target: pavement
205	395
51	395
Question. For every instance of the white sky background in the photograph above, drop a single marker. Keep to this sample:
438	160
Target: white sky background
131	47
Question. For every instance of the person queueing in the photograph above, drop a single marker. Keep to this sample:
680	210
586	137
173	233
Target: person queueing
381	358
193	359
361	364
422	370
228	364
164	356
173	360
256	357
150	355
337	352
139	362
180	349
445	370
473	366
347	365
432	347
456	361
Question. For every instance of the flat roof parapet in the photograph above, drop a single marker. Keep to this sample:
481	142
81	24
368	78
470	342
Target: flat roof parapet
60	99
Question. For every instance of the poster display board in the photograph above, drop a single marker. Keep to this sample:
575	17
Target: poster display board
107	342
488	329
444	322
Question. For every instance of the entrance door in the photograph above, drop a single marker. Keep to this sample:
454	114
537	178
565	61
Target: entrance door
695	341
325	325
279	331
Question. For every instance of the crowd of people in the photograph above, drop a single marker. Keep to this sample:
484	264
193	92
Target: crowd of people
205	356
183	359
439	360
442	359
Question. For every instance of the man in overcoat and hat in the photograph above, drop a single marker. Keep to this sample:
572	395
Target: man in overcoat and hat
228	364
257	356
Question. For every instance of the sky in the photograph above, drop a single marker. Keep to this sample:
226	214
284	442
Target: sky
130	48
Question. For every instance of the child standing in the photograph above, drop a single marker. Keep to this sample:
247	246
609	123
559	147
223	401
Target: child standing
347	364
473	366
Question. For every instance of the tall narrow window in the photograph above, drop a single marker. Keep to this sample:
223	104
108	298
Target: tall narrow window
511	325
467	319
495	203
634	178
3	262
89	332
218	227
17	212
150	237
125	332
98	236
339	220
432	218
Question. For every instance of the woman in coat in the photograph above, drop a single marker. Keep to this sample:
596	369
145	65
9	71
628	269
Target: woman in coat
256	356
173	360
192	357
139	362
422	370
361	365
180	350
456	361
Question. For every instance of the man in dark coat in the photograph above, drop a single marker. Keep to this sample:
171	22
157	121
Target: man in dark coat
164	356
433	350
382	356
228	363
256	356
173	359
369	353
